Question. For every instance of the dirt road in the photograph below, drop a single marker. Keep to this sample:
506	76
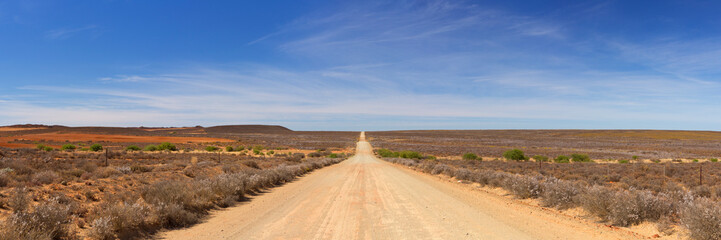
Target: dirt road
367	198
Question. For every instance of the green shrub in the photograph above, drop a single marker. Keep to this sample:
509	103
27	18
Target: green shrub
514	154
386	153
256	151
714	160
576	157
68	147
151	148
623	161
96	147
167	146
562	159
410	154
333	155
540	158
40	147
48	149
211	148
240	148
271	152
132	148
470	156
228	149
695	160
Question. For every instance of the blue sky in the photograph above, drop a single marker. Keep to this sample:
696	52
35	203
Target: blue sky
363	65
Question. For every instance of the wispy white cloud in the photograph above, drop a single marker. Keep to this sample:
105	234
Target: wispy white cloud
125	78
698	60
64	33
263	95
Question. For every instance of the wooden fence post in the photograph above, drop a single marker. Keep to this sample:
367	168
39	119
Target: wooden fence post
540	167
700	174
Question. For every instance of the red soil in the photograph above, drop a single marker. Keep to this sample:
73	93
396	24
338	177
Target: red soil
80	137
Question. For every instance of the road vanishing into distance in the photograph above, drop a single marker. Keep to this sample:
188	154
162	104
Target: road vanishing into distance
367	198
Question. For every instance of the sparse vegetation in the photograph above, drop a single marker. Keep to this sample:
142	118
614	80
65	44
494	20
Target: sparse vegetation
211	148
131	201
591	187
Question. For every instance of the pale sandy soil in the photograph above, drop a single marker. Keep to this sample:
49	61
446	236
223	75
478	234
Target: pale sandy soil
366	198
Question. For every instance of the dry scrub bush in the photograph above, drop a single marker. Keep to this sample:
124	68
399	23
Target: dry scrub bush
171	215
49	220
440	168
228	188
4	178
621	208
702	218
523	186
253	164
45	177
558	193
19	200
626	207
121	220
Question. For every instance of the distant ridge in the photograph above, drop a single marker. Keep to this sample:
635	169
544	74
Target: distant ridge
248	129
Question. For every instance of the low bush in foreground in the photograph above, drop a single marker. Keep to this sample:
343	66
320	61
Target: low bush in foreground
702	217
49	220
